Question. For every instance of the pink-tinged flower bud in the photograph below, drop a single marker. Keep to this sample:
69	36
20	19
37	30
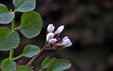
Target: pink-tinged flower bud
50	28
53	40
66	42
49	35
59	30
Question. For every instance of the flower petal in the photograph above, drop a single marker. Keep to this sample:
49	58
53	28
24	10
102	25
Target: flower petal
66	37
59	30
53	40
49	35
50	28
67	43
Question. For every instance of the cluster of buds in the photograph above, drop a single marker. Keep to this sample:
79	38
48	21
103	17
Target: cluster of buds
52	38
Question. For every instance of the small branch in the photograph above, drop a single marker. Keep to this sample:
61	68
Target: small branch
17	28
36	57
17	57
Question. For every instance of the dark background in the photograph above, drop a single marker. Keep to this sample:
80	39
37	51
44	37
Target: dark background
88	24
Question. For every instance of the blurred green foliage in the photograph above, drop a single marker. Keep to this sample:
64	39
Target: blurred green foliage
89	25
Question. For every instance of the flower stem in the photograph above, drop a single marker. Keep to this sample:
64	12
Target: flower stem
36	57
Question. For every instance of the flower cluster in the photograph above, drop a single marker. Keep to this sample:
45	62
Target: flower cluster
52	38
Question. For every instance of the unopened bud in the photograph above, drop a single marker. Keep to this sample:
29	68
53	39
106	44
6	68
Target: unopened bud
59	30
53	40
49	35
66	42
50	28
66	37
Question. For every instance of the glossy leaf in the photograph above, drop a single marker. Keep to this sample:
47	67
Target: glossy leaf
8	65
45	63
31	50
24	5
8	39
5	16
31	24
23	68
59	65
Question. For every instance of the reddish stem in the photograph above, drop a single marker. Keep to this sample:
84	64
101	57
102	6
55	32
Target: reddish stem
37	56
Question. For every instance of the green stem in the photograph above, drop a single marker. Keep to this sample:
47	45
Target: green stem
13	25
12	51
40	69
17	28
17	57
36	57
11	54
15	11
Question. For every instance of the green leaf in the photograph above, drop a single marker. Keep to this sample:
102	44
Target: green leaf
31	24
59	65
31	50
45	63
24	5
5	16
8	39
8	65
23	68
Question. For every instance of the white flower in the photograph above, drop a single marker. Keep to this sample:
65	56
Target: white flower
66	37
53	40
49	35
59	30
50	38
66	42
50	28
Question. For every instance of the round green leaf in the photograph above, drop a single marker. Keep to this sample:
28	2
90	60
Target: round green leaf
8	65
24	5
3	9
31	50
5	15
45	63
31	24
59	65
8	39
23	68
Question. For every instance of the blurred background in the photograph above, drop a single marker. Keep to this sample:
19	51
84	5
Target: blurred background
89	25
